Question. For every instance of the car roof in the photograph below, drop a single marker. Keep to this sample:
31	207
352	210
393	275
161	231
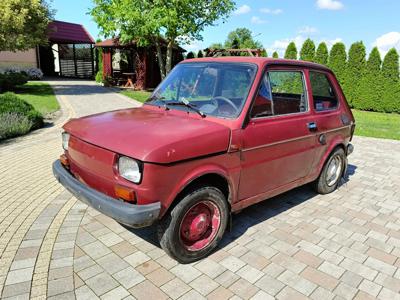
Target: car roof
259	61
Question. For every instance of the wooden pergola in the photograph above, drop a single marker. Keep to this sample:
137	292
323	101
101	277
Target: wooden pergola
232	52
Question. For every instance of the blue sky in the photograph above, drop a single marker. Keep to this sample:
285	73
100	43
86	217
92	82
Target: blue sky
277	22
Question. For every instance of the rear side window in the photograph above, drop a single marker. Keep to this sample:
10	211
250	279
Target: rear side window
323	93
280	93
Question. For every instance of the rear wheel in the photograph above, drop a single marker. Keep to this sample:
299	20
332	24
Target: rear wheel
195	225
331	173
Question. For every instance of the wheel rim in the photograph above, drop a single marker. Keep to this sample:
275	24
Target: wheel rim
334	170
200	225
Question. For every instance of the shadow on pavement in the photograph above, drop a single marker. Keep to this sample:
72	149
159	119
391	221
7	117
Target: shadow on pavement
254	214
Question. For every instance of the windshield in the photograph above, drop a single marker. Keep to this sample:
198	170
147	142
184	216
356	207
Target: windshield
217	89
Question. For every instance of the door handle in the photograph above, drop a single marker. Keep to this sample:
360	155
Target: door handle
312	126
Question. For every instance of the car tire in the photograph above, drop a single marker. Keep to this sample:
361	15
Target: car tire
194	227
331	173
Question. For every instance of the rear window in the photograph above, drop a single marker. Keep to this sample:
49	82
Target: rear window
323	92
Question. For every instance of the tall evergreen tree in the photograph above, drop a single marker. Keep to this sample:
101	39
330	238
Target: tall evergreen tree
321	57
264	53
371	84
337	61
291	51
354	72
190	55
390	67
307	51
390	74
275	54
200	54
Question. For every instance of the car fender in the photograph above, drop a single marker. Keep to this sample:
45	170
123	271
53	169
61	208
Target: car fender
201	170
335	142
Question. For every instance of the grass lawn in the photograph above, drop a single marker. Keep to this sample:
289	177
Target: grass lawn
140	96
40	95
379	125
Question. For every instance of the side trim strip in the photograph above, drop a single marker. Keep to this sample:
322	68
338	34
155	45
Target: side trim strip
294	139
186	160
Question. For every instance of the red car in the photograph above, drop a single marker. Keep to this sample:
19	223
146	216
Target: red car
217	135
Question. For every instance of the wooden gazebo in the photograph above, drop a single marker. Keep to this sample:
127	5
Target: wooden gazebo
140	64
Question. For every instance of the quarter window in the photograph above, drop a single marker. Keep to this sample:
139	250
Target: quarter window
323	92
280	93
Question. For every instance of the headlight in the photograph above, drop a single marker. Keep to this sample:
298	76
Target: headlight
65	140
129	169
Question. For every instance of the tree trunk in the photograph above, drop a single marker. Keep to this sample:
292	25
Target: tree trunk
160	59
168	66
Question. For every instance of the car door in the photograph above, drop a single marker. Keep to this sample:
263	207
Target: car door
332	124
279	140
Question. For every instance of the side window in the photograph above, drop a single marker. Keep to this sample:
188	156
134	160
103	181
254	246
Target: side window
280	93
323	93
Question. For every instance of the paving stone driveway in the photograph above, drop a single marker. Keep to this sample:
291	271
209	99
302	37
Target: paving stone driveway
299	245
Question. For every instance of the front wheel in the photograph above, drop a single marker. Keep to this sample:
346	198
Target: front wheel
331	173
195	225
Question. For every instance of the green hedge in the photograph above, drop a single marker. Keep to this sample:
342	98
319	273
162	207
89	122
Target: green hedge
9	80
17	116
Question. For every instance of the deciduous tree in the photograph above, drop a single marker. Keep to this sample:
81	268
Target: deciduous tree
242	38
275	54
23	24
152	21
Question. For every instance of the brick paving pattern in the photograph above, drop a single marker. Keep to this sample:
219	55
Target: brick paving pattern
345	245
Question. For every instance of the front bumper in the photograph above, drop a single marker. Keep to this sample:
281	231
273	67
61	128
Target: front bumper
350	149
125	213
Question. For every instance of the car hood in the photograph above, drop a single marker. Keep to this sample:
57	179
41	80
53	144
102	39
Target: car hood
151	136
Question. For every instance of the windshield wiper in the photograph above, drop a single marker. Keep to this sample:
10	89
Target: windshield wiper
184	102
158	97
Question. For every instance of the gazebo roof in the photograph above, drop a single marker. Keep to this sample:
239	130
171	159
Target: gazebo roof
68	33
115	43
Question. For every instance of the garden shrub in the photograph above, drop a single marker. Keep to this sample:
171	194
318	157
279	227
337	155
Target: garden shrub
34	73
9	80
10	105
13	124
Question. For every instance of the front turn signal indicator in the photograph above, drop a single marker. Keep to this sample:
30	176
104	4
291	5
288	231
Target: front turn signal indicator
64	160
125	194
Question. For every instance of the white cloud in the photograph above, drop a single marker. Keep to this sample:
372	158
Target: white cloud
387	41
271	11
329	4
308	30
244	9
281	45
330	43
193	46
257	20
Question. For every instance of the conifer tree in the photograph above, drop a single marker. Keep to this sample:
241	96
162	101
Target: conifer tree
291	51
337	61
190	55
391	86
321	57
275	54
354	72
307	51
200	54
371	84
